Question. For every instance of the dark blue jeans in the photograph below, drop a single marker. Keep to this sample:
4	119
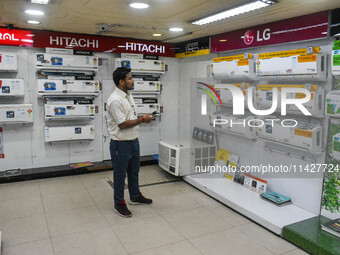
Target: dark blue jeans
125	161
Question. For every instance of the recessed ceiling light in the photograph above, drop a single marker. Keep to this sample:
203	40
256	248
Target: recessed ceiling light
34	12
35	22
39	1
139	5
157	35
176	29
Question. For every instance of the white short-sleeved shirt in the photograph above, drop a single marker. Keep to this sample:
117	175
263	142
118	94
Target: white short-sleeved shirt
120	108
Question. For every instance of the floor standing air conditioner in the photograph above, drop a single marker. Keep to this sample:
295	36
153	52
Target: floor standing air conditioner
12	87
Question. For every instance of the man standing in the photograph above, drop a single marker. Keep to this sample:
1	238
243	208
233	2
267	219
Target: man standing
124	146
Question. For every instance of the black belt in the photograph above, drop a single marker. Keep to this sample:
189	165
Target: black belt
126	140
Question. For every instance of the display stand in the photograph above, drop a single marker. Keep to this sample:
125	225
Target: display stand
249	203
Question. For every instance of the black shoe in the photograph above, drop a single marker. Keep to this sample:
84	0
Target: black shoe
141	200
122	210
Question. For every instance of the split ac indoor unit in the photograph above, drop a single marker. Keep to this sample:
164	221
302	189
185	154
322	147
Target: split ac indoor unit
67	87
68	111
233	70
69	133
8	62
264	99
305	136
141	85
180	160
146	105
138	65
16	113
308	67
241	126
332	107
335	63
336	146
12	87
225	94
66	62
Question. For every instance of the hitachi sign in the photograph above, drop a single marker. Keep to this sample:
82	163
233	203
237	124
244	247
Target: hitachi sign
141	47
73	42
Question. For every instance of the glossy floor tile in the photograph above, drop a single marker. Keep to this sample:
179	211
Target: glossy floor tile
74	215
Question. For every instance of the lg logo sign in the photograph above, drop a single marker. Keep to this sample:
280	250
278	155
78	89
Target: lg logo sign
249	36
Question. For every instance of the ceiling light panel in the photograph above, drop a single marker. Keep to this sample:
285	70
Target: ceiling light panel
35	22
34	12
39	1
176	29
234	12
139	5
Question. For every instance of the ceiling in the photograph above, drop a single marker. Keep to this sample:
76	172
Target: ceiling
85	16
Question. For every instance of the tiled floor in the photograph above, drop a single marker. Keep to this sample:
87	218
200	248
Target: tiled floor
74	215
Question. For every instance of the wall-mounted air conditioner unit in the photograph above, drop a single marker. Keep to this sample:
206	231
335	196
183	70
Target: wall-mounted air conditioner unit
142	65
69	133
308	67
335	63
69	111
181	160
8	62
16	113
66	62
231	70
146	86
225	94
67	87
264	99
235	125
305	136
332	107
146	105
12	87
336	146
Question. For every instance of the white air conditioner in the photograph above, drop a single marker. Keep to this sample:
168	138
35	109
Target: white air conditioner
69	133
67	87
66	62
264	99
146	105
332	107
68	111
308	67
336	146
146	86
142	65
335	67
233	70
180	160
241	126
16	113
8	62
12	87
305	136
225	94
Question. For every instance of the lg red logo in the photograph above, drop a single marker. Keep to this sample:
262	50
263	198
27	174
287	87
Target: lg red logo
249	37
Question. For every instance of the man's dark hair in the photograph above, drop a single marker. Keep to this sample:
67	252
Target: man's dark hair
120	74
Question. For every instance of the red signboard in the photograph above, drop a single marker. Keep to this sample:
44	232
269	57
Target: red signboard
97	43
16	37
43	39
291	30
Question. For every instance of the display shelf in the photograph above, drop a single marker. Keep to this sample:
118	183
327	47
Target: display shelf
249	203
